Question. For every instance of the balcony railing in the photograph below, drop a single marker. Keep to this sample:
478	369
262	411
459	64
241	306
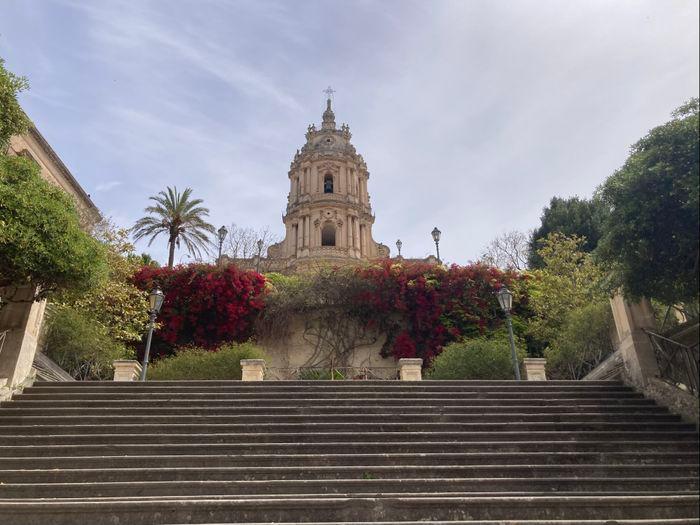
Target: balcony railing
677	362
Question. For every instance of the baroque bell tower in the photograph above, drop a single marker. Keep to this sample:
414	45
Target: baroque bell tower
328	218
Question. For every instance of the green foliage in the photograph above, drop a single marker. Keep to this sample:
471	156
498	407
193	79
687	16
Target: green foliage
571	217
115	302
13	121
42	241
479	358
583	341
198	363
80	345
569	280
651	237
180	218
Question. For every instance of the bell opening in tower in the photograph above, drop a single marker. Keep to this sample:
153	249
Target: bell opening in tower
328	184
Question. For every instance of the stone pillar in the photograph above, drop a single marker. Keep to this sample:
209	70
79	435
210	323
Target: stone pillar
126	370
307	225
535	368
300	237
636	348
22	321
411	369
356	227
252	369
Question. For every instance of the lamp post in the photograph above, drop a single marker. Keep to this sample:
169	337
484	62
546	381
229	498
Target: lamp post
436	237
222	236
399	244
155	301
505	299
257	263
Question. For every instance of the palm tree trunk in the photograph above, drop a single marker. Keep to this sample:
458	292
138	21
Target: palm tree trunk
171	254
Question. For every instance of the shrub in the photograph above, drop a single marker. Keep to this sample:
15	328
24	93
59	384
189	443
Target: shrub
205	306
478	358
80	345
200	363
583	342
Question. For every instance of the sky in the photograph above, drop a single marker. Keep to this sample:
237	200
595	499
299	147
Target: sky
470	114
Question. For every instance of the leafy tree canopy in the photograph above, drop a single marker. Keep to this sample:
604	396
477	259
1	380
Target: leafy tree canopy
573	216
569	280
13	121
651	235
42	243
116	303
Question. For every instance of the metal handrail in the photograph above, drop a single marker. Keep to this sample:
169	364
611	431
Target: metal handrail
342	373
677	362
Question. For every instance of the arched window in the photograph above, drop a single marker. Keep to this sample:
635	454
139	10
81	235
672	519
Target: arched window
328	235
328	183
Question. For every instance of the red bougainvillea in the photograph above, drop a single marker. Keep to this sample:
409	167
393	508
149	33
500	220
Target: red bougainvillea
205	305
423	307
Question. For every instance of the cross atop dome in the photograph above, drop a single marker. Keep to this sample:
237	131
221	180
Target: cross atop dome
328	115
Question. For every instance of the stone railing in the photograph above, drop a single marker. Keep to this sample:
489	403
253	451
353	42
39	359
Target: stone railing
256	370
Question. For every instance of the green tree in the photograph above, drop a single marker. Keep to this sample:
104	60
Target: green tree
180	218
582	342
650	239
13	121
42	243
115	303
80	345
569	280
572	216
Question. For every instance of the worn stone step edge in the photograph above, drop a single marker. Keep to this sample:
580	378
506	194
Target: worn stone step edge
410	447
321	383
433	417
11	410
465	458
316	437
368	509
315	473
330	487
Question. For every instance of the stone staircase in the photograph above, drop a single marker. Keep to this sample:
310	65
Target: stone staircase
344	452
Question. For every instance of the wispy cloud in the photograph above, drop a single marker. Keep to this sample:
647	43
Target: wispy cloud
470	114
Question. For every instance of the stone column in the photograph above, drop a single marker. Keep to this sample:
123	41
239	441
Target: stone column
126	370
356	223
307	226
22	321
635	346
252	369
535	368
411	369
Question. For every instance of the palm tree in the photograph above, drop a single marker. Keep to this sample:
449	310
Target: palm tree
178	216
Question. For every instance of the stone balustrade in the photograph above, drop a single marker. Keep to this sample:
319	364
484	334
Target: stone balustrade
126	370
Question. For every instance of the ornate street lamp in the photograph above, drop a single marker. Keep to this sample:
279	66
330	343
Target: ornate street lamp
257	263
436	237
222	237
505	300
399	244
155	302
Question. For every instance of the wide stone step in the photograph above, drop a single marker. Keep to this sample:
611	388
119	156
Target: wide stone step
416	447
153	512
345	426
335	388
320	437
358	459
416	419
371	487
261	404
254	396
329	383
22	409
343	472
